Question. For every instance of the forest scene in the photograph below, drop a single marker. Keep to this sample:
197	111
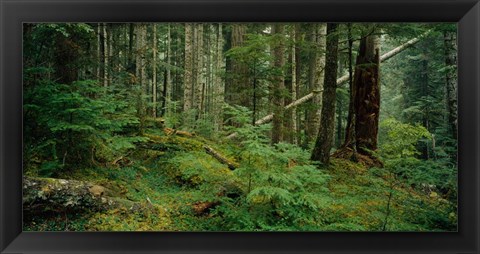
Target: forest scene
240	127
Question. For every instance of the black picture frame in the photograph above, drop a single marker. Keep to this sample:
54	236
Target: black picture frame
14	12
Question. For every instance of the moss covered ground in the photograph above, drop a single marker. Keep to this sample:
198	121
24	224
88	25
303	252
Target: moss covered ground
182	188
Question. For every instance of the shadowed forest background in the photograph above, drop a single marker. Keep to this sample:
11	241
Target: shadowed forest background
240	127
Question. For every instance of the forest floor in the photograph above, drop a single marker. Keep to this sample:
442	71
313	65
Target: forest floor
174	182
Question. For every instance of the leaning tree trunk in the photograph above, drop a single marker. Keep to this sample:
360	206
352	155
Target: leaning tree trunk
367	100
278	84
324	142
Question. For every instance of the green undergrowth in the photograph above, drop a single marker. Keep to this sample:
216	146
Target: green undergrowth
180	187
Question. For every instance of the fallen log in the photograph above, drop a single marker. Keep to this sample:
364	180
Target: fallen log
158	145
219	157
340	80
170	131
52	194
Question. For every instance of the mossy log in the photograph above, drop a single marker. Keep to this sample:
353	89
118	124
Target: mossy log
157	143
51	194
170	131
219	157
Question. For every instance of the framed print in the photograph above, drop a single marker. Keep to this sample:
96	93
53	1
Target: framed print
239	126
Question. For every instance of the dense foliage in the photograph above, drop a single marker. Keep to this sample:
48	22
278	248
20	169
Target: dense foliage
170	122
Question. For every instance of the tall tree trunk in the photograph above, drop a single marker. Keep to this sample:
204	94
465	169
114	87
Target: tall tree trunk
218	93
367	98
350	128
105	55
165	91
140	72
315	81
311	109
450	44
66	53
339	122
179	56
199	72
110	63
290	121
154	72
131	34
206	101
168	88
238	83
278	83
287	117
298	77
99	51
188	76
324	142
294	85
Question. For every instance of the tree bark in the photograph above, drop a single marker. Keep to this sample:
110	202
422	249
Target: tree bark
367	99
237	87
315	81
324	142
